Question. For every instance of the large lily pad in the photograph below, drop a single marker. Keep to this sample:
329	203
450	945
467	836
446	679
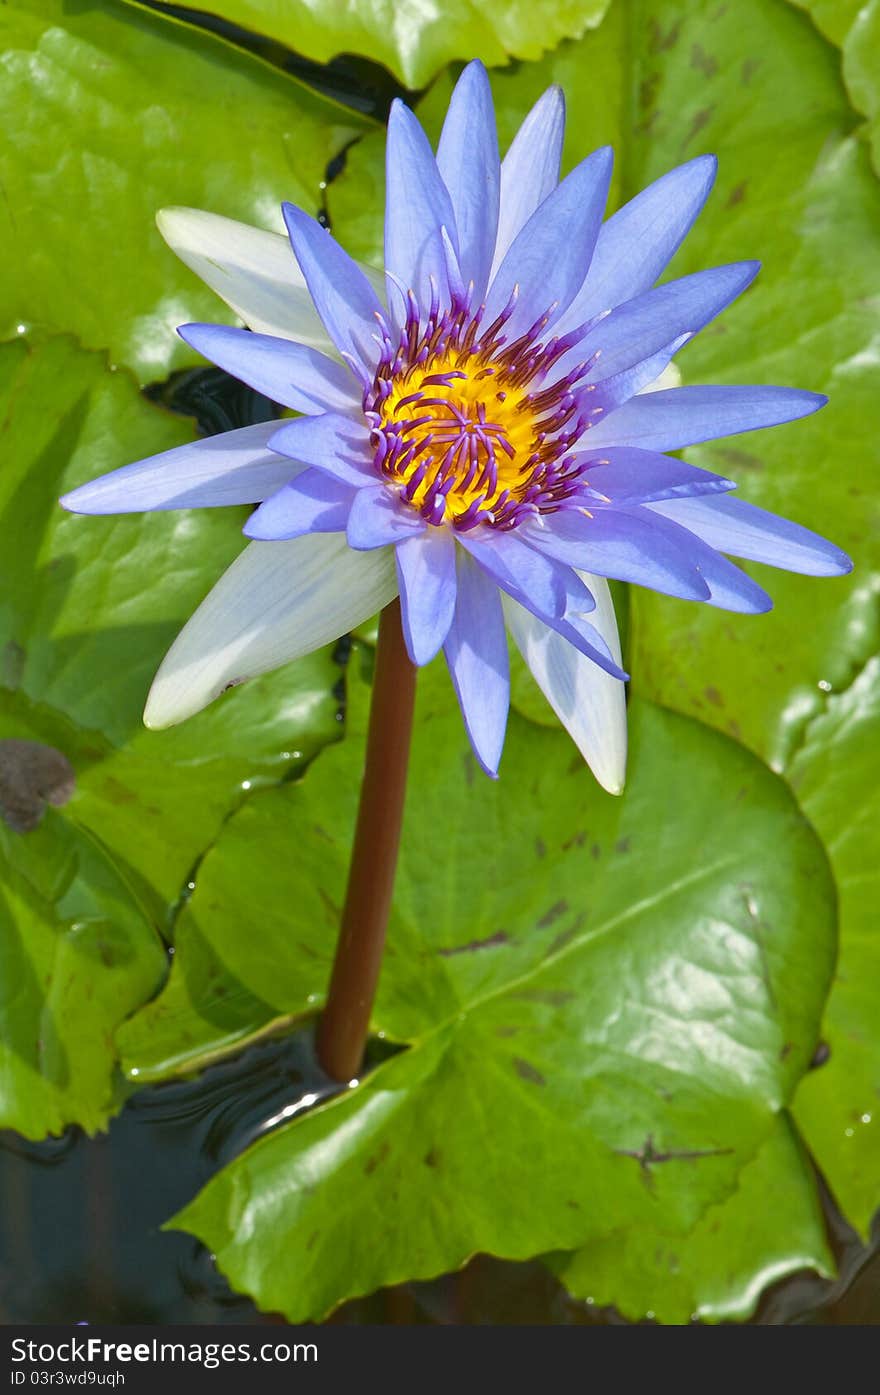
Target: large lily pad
577	979
414	40
137	111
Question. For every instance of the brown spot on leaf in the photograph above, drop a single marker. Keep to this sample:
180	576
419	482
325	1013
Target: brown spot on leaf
377	1158
701	119
820	1055
712	695
660	42
549	917
31	776
526	1071
540	847
432	1157
622	845
737	194
576	840
501	937
703	61
566	936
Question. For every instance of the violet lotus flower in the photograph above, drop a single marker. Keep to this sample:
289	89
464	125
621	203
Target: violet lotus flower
475	434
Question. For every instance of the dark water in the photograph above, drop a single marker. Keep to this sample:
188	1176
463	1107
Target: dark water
80	1236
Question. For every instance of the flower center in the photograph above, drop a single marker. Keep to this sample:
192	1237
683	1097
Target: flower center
463	425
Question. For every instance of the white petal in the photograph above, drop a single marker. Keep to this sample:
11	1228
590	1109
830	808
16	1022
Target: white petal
254	271
589	703
278	601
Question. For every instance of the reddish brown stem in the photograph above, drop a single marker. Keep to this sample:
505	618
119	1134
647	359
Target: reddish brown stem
342	1031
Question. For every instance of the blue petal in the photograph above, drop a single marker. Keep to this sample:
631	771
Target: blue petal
236	467
641	238
530	169
344	298
621	544
467	158
627	475
378	518
601	398
644	325
336	444
732	525
292	374
579	599
476	652
426	572
730	588
548	259
417	206
685	416
313	503
518	567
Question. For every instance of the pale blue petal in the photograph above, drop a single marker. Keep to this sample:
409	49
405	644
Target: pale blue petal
336	444
476	652
685	416
547	261
640	239
732	525
344	299
313	503
378	518
278	601
589	702
627	475
292	374
235	467
426	574
621	544
530	169
417	206
467	158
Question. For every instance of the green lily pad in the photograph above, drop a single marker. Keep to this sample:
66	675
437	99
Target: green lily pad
413	40
138	111
836	775
855	28
573	976
722	1268
833	18
79	953
861	70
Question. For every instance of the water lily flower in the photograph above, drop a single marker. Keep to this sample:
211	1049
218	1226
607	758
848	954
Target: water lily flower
475	430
